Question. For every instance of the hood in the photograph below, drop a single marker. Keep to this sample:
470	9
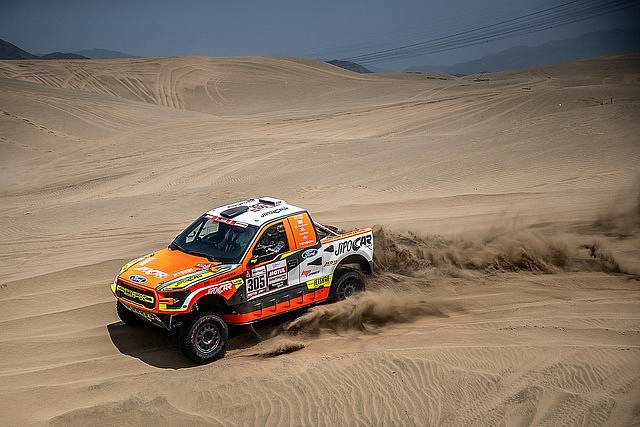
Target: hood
165	266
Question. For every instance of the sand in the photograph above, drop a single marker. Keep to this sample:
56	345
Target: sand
516	315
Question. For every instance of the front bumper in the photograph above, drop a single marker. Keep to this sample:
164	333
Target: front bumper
162	320
148	300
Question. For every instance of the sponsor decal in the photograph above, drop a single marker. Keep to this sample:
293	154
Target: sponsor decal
277	285
226	286
307	273
287	254
274	211
267	277
259	271
221	269
225	276
130	264
146	261
277	274
151	272
242	203
309	253
203	266
320	282
222	287
137	279
188	281
353	244
146	315
226	221
134	295
258	207
331	262
183	272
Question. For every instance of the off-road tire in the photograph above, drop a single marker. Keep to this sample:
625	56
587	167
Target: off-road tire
127	316
203	338
347	283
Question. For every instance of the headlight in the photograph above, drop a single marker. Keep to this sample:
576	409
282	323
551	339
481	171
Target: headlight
172	300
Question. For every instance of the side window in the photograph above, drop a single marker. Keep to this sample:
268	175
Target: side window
272	242
320	233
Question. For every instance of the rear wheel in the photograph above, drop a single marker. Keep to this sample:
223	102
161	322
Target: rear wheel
203	338
348	283
127	316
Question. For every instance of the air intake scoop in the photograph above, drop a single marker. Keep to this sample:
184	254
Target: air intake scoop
234	212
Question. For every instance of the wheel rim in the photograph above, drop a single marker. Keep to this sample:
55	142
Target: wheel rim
348	288
207	338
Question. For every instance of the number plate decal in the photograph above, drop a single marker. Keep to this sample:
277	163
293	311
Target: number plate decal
256	282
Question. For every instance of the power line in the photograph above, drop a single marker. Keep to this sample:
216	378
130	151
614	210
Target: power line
466	32
563	14
516	26
383	40
501	33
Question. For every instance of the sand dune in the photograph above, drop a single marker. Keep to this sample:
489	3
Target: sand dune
507	319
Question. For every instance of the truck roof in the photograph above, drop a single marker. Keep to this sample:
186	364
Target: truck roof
256	211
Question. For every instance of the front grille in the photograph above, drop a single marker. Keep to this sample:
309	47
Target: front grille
143	297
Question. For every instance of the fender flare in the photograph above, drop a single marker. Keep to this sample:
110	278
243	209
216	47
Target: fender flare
365	265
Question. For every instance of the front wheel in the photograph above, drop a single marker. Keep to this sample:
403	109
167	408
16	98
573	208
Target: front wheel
348	283
203	339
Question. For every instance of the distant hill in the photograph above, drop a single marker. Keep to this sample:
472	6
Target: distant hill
103	54
587	46
61	55
348	65
11	51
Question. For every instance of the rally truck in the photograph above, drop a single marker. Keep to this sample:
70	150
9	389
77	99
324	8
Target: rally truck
237	265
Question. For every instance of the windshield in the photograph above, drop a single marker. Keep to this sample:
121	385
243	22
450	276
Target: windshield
218	241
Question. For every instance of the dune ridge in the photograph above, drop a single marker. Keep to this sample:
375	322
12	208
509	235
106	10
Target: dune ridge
507	258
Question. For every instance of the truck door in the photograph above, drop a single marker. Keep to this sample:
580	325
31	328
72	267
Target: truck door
270	270
306	240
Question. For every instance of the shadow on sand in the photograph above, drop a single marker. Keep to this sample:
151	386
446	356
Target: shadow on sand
152	345
159	348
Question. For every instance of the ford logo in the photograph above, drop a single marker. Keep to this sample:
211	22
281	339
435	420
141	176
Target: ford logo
309	253
137	279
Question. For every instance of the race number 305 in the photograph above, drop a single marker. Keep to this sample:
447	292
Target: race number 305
256	285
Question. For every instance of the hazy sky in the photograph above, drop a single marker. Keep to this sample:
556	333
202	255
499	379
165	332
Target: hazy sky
325	28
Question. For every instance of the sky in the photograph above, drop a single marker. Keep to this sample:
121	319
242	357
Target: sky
324	29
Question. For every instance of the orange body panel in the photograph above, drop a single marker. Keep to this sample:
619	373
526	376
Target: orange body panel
282	307
164	265
302	229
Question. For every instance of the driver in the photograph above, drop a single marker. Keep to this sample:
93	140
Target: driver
273	241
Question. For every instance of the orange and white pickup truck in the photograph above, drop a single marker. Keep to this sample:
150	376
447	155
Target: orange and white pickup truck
239	264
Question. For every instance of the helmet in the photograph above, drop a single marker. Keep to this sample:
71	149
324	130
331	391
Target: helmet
274	232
